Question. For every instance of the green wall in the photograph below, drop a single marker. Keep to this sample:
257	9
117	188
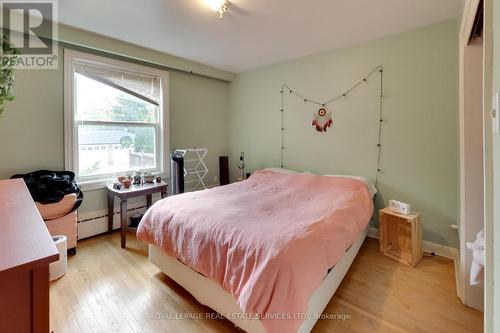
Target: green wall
420	134
31	127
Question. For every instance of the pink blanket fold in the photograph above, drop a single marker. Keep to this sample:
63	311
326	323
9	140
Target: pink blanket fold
268	240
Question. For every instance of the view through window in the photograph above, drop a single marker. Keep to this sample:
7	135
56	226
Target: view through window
117	121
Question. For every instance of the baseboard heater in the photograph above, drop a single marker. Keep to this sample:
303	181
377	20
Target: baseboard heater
96	223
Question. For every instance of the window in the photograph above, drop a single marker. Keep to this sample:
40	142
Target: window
115	118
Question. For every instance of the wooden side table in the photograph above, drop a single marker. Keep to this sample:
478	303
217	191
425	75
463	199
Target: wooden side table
401	236
124	194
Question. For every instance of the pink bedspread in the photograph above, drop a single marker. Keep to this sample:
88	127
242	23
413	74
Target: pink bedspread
268	240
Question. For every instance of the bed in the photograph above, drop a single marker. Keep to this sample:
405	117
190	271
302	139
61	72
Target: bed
267	253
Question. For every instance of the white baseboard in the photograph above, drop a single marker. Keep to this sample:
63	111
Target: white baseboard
372	232
427	247
96	223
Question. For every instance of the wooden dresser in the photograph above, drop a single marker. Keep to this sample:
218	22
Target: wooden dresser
26	250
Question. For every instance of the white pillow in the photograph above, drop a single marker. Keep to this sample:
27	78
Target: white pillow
283	170
371	188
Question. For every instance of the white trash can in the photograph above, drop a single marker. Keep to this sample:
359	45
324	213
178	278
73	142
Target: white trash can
59	268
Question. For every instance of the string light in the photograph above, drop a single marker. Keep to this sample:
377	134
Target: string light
284	88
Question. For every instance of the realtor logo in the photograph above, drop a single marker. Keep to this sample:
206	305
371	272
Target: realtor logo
29	30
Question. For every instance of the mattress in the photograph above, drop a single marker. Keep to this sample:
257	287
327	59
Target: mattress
268	240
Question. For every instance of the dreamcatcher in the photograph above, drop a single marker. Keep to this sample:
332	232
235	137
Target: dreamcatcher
322	120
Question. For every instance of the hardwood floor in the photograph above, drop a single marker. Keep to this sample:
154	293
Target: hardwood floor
108	289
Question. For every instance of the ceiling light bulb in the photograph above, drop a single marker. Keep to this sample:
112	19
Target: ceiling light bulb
216	5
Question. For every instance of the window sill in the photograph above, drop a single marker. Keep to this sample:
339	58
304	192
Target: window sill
94	185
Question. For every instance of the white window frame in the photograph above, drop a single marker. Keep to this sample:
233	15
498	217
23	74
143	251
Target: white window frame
70	123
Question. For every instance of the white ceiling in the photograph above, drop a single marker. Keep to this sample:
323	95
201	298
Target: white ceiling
253	33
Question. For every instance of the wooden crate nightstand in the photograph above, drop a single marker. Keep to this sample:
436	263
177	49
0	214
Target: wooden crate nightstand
401	236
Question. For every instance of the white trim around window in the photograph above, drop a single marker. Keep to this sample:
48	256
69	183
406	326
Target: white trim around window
71	146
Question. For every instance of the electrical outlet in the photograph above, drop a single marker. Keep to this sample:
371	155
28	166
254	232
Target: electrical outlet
495	119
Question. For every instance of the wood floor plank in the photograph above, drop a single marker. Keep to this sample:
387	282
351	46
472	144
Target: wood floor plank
109	289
